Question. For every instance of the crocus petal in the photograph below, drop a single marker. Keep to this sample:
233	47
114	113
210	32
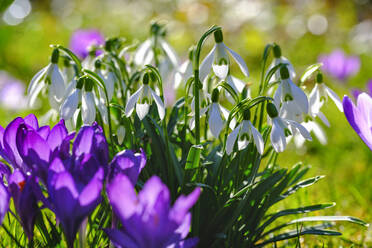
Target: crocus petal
88	108
133	99
277	137
239	60
4	201
206	65
70	105
120	239
142	110
84	141
231	139
159	104
215	120
257	139
57	135
183	205
31	120
334	98
90	196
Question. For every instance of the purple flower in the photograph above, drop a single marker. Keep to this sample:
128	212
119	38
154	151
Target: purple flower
148	219
25	201
360	117
4	200
11	92
83	39
340	66
128	163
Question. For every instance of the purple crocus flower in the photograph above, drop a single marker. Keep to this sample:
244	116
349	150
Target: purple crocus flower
83	39
4	200
128	163
148	219
340	66
360	117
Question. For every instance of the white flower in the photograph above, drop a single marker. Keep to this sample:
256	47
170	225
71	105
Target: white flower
183	74
291	100
311	126
281	128
319	95
279	59
218	60
121	134
142	100
83	94
245	132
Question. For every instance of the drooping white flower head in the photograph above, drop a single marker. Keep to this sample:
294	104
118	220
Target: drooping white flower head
184	71
218	60
108	77
319	95
281	128
142	100
245	132
279	59
48	76
311	127
289	98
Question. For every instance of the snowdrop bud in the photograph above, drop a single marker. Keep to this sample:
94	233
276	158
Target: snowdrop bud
121	134
55	56
319	78
277	51
271	110
89	84
247	114
66	62
80	83
218	37
215	95
191	52
98	64
146	79
284	73
155	28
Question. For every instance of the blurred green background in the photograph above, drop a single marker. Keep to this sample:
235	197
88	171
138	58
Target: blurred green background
304	29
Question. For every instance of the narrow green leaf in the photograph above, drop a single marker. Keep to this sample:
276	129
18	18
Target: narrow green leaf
193	158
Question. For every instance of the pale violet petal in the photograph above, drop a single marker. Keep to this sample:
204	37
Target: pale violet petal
142	110
133	99
215	121
335	98
159	104
88	108
240	61
206	65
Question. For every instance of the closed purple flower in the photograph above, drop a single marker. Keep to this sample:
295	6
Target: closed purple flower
83	39
356	92
148	220
360	117
340	66
128	163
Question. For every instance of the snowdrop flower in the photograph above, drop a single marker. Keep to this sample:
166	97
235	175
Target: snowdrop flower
281	128
51	76
142	100
279	59
218	60
291	100
108	78
216	111
81	94
204	102
185	71
319	95
311	127
245	132
145	52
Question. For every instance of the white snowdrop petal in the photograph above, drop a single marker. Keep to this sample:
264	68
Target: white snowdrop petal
231	139
300	98
238	84
142	53
220	70
257	139
291	70
36	79
35	92
88	108
206	65
277	137
70	105
159	104
110	84
300	128
319	133
133	99
334	98
239	60
142	110
323	118
57	83
169	51
215	121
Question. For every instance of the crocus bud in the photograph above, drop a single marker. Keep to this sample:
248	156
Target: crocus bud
218	36
55	56
215	95
247	114
271	110
284	73
277	51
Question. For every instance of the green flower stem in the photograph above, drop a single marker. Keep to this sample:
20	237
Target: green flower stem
197	83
